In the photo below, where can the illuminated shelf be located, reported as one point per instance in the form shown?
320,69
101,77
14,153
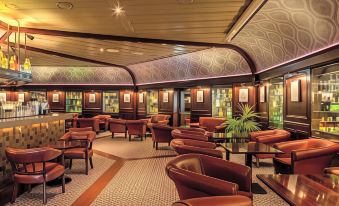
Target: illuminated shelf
7,76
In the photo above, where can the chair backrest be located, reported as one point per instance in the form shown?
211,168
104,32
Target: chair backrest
21,158
189,162
86,138
117,125
178,134
162,132
159,117
211,122
318,143
102,117
80,129
136,127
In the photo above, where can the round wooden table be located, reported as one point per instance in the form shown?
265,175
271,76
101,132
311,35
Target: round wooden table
62,145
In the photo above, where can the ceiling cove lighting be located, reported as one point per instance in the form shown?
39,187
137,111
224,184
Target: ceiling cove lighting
112,50
192,79
302,56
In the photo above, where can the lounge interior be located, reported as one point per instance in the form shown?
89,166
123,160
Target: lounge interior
172,102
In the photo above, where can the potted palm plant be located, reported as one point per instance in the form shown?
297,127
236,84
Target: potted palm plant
245,123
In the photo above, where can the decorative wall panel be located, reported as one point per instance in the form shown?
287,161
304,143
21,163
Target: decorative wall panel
286,29
81,75
208,63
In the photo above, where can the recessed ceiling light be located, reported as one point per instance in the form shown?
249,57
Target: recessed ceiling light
185,1
164,44
112,50
101,49
64,5
118,10
138,53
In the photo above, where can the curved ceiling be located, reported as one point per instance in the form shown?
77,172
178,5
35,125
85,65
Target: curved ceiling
80,76
209,63
287,29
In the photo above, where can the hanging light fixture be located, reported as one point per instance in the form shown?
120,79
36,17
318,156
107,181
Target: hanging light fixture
27,63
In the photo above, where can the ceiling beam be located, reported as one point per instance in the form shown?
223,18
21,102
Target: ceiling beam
5,36
244,18
68,56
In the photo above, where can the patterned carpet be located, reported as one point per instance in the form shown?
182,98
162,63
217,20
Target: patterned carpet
143,181
80,182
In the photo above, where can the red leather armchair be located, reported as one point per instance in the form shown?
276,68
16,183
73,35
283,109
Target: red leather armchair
269,137
117,126
85,151
234,200
186,134
188,146
211,124
137,128
89,122
197,175
161,134
332,170
103,120
307,156
32,166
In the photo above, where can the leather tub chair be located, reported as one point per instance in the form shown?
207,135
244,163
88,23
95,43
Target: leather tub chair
269,137
332,170
307,156
103,120
234,200
197,175
182,134
136,128
85,151
188,146
117,126
89,122
33,166
211,124
161,134
157,119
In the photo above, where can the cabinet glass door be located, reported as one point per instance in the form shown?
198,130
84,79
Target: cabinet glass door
111,102
222,102
276,101
74,101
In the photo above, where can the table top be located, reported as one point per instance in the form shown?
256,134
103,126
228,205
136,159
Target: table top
61,145
305,190
249,148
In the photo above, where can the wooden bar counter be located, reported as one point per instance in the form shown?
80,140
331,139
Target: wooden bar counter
29,132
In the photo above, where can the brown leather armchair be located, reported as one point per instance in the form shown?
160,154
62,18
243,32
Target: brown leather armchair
137,128
89,122
32,166
85,151
307,156
234,200
117,126
211,124
157,119
161,134
103,120
188,146
332,170
269,137
185,134
197,175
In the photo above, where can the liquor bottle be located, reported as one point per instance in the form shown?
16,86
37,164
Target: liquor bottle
27,66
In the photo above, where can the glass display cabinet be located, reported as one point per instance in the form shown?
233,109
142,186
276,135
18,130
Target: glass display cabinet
276,101
74,101
152,102
40,96
111,102
325,101
185,106
222,102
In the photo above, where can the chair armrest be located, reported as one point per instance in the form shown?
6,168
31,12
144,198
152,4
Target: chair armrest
289,146
270,139
202,183
184,149
313,153
66,137
194,124
220,128
51,154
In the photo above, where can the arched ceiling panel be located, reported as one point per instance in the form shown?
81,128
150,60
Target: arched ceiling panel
43,75
287,29
209,63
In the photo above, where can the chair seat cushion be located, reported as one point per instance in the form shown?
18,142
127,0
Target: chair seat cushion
53,171
77,153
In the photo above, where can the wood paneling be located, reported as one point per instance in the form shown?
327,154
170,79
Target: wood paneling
141,113
15,95
262,107
169,107
93,106
201,109
252,96
56,106
297,114
127,110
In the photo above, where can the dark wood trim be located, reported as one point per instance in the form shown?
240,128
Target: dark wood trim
5,36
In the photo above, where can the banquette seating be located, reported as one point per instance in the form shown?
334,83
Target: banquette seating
33,166
233,200
211,124
307,156
197,175
86,137
269,137
187,146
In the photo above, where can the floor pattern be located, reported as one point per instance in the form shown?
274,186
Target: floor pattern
80,182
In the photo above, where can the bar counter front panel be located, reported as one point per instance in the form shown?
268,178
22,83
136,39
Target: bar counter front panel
29,132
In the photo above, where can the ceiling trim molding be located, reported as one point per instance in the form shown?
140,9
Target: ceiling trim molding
79,59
